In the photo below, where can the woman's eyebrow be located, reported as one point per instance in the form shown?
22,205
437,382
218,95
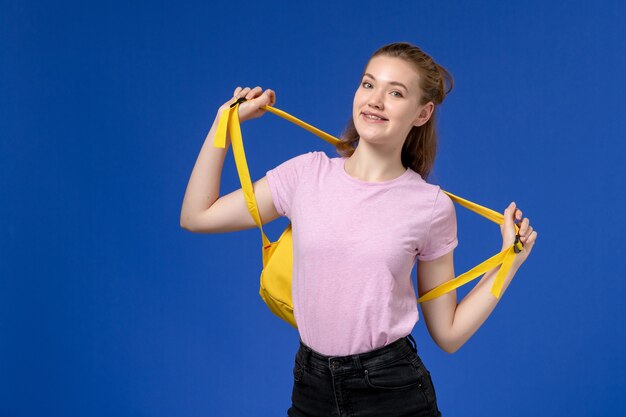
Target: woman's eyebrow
390,82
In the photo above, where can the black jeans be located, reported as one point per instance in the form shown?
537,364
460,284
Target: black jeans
388,382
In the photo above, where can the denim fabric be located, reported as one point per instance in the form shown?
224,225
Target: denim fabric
388,382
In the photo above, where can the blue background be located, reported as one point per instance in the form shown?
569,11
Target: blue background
108,307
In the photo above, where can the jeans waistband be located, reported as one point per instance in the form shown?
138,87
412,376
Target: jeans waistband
369,360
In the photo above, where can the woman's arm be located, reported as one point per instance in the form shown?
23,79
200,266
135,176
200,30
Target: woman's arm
451,325
203,188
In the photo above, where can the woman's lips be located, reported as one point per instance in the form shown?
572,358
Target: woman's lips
368,120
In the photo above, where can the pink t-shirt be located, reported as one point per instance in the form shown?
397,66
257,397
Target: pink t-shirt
354,246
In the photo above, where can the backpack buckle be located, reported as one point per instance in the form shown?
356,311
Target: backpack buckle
518,245
239,100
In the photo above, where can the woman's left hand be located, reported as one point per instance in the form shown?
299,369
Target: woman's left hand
528,236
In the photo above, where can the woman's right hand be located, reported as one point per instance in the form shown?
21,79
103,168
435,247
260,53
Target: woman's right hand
256,98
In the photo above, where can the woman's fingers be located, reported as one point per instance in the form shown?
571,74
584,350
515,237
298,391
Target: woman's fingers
241,92
256,91
525,229
251,93
272,96
523,225
256,99
526,234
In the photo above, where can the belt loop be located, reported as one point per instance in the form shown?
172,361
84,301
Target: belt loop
414,344
307,358
357,362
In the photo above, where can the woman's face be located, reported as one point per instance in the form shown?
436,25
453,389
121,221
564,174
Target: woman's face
390,89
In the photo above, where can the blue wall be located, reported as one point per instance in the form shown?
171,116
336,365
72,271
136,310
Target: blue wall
109,308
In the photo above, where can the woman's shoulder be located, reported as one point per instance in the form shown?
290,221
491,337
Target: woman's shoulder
299,164
312,156
316,158
426,194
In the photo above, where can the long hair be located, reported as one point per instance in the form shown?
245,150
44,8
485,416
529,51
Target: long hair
420,146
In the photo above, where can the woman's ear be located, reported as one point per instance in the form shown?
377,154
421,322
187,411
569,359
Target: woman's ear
424,114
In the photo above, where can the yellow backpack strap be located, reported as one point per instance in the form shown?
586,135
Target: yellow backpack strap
504,258
229,122
328,138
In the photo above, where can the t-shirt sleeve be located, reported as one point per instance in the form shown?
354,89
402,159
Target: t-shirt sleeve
442,233
283,181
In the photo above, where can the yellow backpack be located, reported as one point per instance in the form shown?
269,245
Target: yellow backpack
275,289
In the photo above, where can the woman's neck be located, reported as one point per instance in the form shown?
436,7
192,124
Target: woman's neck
368,164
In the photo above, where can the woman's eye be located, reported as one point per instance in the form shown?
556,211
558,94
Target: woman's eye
366,84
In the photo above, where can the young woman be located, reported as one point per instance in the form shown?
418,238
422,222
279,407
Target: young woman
360,221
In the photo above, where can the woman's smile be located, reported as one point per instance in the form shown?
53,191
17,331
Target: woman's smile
372,119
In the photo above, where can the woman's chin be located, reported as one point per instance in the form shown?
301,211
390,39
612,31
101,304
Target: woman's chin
374,142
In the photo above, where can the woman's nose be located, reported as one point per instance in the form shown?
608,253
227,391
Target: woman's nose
375,100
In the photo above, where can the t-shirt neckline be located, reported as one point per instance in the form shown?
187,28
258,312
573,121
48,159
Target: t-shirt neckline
344,174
